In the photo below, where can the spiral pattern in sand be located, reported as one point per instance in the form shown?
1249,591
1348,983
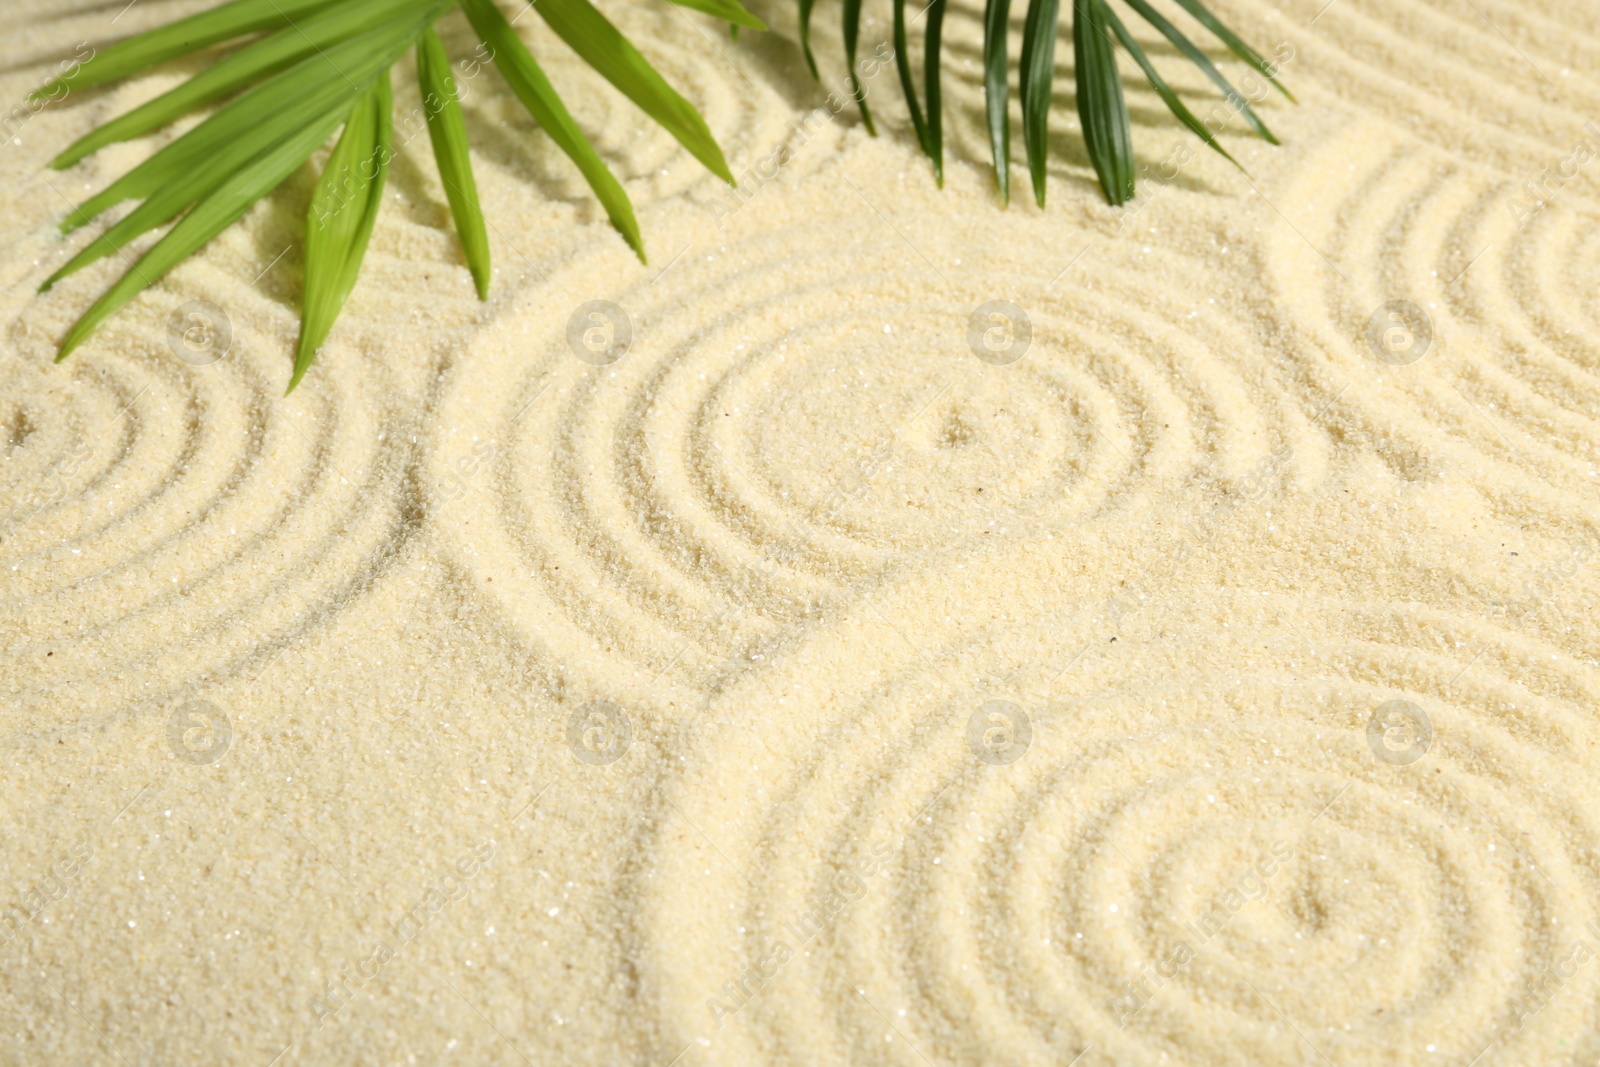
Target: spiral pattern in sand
758,452
1170,859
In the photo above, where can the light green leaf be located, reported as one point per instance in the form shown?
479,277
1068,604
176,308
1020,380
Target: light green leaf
590,35
250,64
340,218
528,82
179,38
448,132
730,11
1037,68
1101,108
210,217
328,79
1176,106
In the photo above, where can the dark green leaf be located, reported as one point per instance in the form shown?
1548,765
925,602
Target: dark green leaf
1176,106
1101,108
852,30
448,132
1235,44
1199,59
996,91
902,63
805,36
1037,67
340,218
616,59
930,76
530,85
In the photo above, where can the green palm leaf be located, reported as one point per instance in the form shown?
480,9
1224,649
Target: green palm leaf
728,11
199,162
448,132
1101,108
231,20
1168,97
852,31
244,67
302,68
330,78
1038,66
210,217
340,219
607,51
530,85
1235,44
996,91
902,63
930,77
1199,59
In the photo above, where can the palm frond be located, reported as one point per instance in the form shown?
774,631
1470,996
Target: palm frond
1038,68
805,36
342,212
522,72
930,77
852,32
137,54
607,51
1168,97
298,71
1199,59
447,130
728,11
1102,109
902,64
996,91
1235,45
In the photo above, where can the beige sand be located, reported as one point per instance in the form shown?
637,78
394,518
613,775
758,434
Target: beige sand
801,688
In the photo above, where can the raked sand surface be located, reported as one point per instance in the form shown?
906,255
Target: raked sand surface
1213,678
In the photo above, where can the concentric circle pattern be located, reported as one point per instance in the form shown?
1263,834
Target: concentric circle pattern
1498,84
889,627
795,418
1202,854
1503,281
154,508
